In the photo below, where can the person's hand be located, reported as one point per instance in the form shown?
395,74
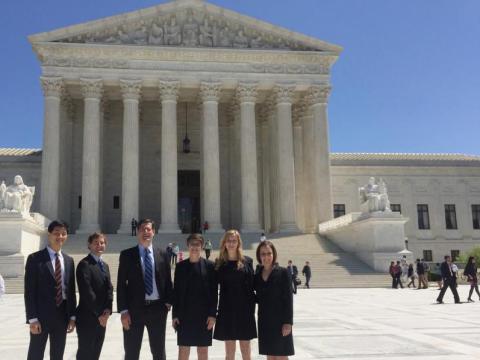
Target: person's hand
126,320
102,319
175,323
36,328
70,326
286,329
210,322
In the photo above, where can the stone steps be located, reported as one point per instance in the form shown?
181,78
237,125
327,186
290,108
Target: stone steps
331,267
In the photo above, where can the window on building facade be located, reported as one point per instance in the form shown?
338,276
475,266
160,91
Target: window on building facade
116,202
427,255
79,201
338,210
476,216
396,208
455,254
450,217
423,217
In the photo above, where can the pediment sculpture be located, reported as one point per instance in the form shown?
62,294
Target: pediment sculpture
374,197
17,197
190,28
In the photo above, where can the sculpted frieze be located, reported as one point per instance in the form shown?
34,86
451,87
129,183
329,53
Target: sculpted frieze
189,28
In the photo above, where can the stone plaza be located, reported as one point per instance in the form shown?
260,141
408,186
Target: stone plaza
343,324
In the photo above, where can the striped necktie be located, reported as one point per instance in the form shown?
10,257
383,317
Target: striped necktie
147,262
58,281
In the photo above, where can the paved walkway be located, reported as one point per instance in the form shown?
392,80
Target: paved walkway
329,324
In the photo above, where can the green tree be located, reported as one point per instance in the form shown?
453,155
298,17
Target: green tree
463,258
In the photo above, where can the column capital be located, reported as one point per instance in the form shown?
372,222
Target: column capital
52,85
318,94
91,88
210,91
247,92
131,89
169,90
284,93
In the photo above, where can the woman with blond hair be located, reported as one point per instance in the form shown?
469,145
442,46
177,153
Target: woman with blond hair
236,309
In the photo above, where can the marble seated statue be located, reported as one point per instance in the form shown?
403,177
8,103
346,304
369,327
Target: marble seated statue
17,197
374,197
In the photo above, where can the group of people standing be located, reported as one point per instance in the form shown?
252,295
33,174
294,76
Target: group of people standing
402,272
146,293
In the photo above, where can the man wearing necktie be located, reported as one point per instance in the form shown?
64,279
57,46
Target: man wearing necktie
449,280
96,296
50,299
144,291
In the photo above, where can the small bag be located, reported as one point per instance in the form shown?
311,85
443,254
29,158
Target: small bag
297,281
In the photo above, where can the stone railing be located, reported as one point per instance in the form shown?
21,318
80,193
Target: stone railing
338,222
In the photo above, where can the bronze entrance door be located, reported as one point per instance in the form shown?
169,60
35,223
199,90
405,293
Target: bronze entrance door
189,201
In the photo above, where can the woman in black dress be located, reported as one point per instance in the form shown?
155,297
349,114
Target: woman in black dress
195,299
471,273
236,309
273,286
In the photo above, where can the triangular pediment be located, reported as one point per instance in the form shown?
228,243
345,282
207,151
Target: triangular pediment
186,23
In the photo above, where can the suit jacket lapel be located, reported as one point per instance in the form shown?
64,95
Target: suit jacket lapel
66,264
47,260
137,261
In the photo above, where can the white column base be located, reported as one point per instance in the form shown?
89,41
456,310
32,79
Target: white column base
87,228
169,229
215,229
288,228
125,229
251,229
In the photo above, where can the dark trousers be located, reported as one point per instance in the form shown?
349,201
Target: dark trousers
294,284
394,281
90,338
154,317
452,284
56,329
398,280
307,282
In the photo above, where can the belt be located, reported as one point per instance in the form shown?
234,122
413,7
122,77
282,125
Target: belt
152,302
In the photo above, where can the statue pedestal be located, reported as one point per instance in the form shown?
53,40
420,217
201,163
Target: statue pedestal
21,235
375,238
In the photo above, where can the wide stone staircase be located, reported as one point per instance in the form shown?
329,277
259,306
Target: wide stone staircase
331,266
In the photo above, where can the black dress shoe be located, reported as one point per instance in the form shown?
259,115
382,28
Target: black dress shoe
458,302
439,301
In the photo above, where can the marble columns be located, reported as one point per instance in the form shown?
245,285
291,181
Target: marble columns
286,176
92,92
247,94
49,200
209,92
131,90
318,96
169,191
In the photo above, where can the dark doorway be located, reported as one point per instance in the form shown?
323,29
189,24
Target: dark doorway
189,201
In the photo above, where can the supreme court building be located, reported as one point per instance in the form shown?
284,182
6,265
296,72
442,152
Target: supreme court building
123,93
187,112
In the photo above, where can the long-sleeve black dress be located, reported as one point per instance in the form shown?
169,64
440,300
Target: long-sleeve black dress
275,308
236,308
195,297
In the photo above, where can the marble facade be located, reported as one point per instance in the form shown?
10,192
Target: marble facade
114,91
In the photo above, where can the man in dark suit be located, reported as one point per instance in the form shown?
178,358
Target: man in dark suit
144,292
292,269
50,295
307,272
96,296
449,280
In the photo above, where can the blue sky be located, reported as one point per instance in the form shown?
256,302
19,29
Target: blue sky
408,79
